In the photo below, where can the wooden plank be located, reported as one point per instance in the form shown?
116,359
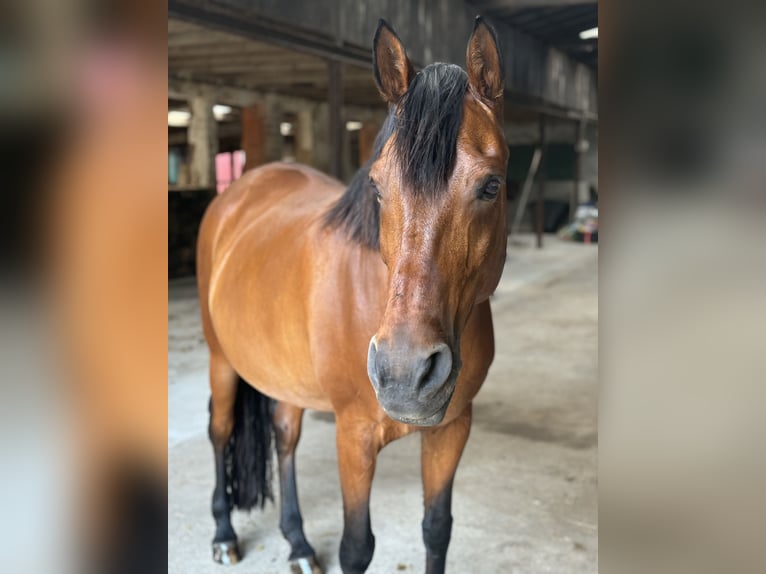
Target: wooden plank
219,63
201,36
176,26
227,47
284,73
523,4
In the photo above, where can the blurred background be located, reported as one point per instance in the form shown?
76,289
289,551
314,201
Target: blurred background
94,220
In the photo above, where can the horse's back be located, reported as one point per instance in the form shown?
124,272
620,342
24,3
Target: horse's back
288,192
254,265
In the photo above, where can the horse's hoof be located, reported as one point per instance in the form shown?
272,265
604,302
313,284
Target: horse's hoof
226,552
305,566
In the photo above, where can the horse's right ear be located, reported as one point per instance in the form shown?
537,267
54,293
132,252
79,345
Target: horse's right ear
484,65
393,70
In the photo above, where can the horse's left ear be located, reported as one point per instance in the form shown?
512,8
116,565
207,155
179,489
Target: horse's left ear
484,65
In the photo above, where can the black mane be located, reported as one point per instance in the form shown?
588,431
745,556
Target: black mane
424,126
357,209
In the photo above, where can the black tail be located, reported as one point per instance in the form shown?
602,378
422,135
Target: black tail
249,454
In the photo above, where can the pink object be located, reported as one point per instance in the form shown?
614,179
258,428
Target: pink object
228,167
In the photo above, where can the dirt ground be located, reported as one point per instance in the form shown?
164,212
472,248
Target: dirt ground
525,498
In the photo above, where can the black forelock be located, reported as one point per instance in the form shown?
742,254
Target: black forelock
424,127
427,125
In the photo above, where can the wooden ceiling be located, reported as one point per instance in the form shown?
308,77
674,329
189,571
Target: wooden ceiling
221,58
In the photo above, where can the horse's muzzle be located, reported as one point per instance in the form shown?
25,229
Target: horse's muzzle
413,385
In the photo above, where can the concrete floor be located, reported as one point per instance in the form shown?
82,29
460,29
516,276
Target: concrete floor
525,496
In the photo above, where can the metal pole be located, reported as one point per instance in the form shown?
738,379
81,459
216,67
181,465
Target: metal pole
539,214
335,101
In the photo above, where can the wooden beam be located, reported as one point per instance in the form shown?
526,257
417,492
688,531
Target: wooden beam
199,36
491,5
309,42
289,99
223,64
179,26
563,25
214,49
186,90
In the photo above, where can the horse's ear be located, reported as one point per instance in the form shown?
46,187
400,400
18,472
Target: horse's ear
393,70
484,65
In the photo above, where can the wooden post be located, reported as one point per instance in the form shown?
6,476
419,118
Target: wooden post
261,139
335,101
253,136
539,213
320,152
304,136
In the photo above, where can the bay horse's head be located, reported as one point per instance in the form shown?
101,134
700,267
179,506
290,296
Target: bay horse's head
440,183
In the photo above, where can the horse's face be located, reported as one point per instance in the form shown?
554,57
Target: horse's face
442,222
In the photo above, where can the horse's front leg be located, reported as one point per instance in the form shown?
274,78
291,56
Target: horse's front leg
441,451
357,451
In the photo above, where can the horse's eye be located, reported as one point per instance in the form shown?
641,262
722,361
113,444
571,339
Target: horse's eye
375,189
490,189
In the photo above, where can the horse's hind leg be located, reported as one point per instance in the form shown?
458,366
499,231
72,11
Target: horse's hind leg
287,427
223,387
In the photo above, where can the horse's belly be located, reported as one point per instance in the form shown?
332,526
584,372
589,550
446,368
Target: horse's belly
283,372
260,322
298,392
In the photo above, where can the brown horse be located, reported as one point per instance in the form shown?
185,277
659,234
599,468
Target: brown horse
371,303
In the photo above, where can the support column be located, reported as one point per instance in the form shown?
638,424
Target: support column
539,208
203,141
320,153
335,101
253,136
261,139
304,136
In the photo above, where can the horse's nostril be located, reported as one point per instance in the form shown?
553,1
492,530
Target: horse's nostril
435,369
428,368
405,371
372,367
